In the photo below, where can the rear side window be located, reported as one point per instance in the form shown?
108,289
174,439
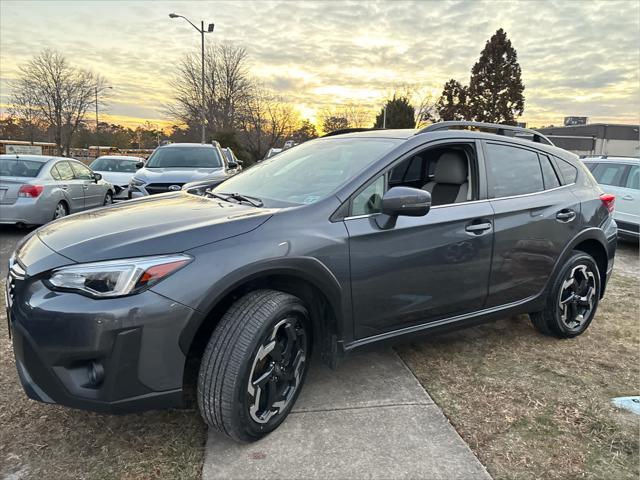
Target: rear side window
512,171
54,173
64,169
609,173
569,172
633,179
548,173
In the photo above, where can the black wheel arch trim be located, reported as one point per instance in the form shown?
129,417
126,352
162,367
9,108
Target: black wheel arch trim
308,269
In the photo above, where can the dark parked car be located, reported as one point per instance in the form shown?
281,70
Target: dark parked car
337,244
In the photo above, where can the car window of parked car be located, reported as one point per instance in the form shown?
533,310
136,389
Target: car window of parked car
548,173
609,173
369,200
107,164
308,172
568,172
81,172
633,178
16,167
64,169
185,157
512,171
54,173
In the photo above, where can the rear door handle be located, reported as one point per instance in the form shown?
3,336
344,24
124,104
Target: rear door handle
566,215
64,187
478,228
627,197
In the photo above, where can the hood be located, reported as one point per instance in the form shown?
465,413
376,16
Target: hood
161,224
116,178
177,175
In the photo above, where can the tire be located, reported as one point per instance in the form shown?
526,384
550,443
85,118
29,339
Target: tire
108,199
572,300
61,211
241,349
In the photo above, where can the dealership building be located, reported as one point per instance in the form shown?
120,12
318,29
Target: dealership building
596,139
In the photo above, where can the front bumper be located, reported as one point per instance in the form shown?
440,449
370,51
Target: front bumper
116,355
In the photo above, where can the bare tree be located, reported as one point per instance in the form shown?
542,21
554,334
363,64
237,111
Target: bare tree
425,108
51,89
227,88
25,110
265,121
349,115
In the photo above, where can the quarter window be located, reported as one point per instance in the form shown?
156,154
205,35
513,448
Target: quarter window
512,171
609,173
567,171
369,200
54,173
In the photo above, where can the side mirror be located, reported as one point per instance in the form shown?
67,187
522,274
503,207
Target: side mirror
97,177
233,165
139,165
403,201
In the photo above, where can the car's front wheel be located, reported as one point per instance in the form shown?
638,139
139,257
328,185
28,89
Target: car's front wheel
255,364
572,299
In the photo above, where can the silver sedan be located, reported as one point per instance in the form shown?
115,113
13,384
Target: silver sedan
37,189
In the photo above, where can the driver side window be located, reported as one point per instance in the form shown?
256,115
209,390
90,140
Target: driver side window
369,200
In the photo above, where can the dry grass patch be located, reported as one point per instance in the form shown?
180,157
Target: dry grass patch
532,406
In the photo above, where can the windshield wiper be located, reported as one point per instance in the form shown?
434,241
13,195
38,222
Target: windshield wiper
255,201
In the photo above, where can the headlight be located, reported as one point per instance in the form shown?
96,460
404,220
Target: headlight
116,278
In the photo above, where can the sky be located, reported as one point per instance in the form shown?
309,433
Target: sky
578,58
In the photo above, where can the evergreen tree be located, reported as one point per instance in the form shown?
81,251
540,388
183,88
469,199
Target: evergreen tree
496,89
331,124
453,104
400,114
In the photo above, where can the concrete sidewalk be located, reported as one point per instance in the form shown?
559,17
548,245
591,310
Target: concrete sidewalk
368,419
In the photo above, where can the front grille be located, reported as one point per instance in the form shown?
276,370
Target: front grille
16,273
154,188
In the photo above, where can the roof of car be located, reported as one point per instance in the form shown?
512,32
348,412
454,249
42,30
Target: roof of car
34,158
181,145
122,157
607,158
403,133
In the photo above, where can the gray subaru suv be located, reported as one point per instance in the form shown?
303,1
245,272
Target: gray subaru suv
350,240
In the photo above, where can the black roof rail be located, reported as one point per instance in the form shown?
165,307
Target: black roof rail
342,131
499,129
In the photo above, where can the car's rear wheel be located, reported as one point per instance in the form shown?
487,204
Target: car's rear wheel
108,199
572,299
60,211
255,364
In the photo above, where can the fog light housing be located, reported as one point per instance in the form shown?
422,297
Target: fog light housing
96,373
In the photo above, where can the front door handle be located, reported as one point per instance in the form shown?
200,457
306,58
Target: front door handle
566,215
478,228
627,197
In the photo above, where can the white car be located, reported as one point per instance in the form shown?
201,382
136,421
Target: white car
620,176
117,170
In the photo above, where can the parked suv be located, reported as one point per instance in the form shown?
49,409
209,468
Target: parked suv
171,166
334,245
620,176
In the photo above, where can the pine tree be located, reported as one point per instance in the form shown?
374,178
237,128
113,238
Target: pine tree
496,89
400,114
453,104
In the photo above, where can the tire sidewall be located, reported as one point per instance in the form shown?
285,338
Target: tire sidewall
575,260
241,416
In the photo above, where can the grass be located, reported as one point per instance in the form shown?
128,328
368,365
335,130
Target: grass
47,441
532,406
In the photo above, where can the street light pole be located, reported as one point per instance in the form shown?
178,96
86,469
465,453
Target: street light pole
202,31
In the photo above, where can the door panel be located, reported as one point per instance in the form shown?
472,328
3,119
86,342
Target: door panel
74,188
93,192
530,233
423,269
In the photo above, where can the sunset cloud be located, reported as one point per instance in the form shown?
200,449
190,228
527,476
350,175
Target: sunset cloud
577,58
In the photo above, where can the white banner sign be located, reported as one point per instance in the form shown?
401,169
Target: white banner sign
24,149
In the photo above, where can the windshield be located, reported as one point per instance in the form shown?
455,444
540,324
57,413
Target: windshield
110,164
309,172
181,157
15,167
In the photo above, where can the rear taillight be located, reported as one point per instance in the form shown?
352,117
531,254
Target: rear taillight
30,191
608,201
